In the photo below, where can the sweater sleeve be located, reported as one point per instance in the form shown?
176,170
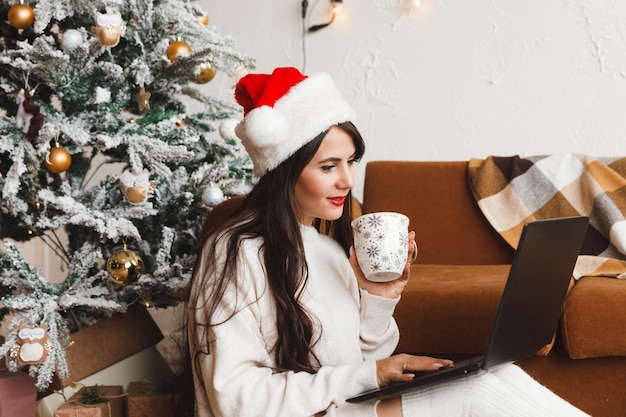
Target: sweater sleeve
379,330
239,375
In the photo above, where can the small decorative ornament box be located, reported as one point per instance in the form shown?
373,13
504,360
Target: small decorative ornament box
113,406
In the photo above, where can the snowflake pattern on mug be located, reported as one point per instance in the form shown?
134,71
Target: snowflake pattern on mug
381,244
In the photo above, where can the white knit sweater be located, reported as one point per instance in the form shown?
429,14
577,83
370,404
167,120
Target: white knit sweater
358,328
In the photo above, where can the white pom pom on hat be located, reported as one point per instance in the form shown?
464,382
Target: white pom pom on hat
285,110
267,126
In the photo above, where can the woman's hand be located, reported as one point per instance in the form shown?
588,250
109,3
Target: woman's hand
398,368
391,289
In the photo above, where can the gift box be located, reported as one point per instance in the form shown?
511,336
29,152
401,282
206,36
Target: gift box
146,399
112,408
107,342
18,395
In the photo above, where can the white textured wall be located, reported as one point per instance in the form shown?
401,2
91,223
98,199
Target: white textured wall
454,79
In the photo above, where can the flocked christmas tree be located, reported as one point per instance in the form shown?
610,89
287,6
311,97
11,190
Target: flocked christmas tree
98,149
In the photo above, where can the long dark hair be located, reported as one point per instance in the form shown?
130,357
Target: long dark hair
269,212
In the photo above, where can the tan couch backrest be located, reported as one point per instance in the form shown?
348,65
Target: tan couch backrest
450,227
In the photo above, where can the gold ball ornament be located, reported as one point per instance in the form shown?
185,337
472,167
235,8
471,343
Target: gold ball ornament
207,73
21,16
176,48
204,19
125,267
58,160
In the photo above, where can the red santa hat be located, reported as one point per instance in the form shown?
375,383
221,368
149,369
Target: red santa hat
285,110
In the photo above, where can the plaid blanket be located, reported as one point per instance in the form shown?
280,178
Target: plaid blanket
511,191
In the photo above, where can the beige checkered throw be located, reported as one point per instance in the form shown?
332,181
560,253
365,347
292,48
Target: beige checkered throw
511,191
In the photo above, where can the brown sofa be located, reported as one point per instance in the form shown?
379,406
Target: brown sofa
450,303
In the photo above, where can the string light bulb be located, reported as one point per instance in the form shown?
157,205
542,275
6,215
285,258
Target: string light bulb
416,3
337,6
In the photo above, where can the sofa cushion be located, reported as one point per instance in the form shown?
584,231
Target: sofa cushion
593,318
449,308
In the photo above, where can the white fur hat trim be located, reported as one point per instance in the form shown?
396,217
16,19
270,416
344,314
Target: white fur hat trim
271,135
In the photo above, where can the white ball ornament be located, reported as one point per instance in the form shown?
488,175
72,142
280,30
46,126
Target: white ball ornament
212,196
71,39
227,129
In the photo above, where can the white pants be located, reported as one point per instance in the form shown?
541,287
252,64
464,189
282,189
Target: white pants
507,391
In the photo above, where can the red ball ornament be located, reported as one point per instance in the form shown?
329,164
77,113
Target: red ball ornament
58,160
21,16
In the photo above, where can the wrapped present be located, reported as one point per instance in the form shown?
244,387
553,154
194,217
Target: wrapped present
146,399
18,395
112,407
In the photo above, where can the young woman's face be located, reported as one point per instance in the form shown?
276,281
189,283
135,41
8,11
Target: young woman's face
325,182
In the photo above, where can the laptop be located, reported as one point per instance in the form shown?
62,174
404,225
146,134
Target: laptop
530,307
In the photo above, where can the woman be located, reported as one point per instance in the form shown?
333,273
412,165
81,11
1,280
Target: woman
281,321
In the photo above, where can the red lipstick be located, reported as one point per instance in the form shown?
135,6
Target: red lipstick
337,201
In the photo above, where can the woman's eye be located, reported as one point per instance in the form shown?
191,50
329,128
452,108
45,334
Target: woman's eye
327,167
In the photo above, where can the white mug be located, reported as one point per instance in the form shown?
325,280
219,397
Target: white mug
381,244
